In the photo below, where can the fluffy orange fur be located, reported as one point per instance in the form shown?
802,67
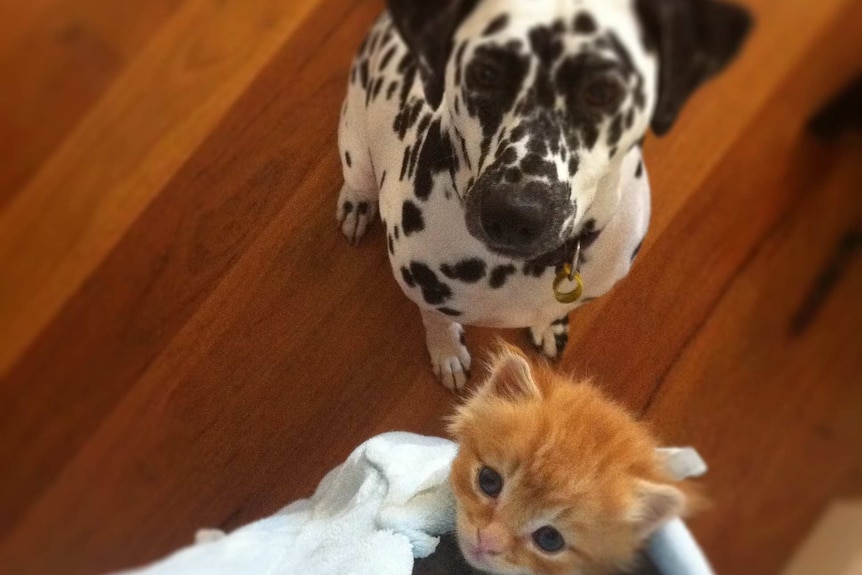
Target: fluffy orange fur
569,459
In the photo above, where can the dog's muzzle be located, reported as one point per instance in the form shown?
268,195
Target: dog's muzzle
518,220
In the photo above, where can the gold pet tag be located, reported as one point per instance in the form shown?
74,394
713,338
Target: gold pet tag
568,273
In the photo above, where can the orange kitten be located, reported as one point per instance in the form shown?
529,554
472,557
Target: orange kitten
553,478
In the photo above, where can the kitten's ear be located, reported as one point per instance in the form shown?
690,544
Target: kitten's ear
695,40
428,28
511,377
655,504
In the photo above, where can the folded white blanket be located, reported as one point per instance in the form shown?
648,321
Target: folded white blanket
373,514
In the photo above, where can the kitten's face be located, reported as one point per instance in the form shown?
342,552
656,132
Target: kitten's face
552,478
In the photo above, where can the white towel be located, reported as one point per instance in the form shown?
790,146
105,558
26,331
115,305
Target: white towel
372,515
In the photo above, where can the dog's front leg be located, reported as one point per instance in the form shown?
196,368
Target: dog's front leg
550,340
450,359
357,202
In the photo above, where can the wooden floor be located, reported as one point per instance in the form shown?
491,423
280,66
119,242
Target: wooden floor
186,340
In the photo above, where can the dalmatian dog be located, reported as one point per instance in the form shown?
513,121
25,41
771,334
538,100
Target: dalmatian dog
499,140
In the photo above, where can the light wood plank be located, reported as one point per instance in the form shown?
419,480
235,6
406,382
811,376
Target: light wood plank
64,56
70,216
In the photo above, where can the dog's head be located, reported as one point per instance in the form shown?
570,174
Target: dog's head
546,96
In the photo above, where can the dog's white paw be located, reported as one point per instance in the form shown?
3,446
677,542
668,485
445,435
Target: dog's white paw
450,358
551,340
354,213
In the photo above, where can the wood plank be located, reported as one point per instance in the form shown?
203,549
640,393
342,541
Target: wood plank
124,151
176,253
18,18
52,75
631,338
770,390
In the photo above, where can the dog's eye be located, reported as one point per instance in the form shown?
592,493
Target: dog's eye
484,76
490,482
604,92
548,539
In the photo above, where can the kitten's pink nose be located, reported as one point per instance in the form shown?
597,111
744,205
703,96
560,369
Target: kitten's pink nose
491,540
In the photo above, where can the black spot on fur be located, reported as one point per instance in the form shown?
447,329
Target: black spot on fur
362,208
584,23
573,165
347,159
387,56
434,291
496,25
449,311
348,207
390,91
639,171
509,156
537,166
546,44
424,123
408,277
616,130
363,73
468,271
391,244
383,179
500,274
404,163
407,116
436,156
518,133
561,321
537,146
411,218
535,270
378,84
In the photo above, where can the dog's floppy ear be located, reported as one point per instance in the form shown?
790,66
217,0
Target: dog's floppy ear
427,27
695,40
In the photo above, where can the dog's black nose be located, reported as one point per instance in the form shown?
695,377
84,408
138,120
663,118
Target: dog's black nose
513,220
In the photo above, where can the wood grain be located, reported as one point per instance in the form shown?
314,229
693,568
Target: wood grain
117,160
187,341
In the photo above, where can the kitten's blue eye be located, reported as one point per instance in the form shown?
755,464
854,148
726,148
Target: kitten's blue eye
490,482
548,539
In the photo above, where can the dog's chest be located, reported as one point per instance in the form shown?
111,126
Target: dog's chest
440,266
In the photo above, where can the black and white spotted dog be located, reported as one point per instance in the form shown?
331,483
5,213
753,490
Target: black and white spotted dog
497,138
